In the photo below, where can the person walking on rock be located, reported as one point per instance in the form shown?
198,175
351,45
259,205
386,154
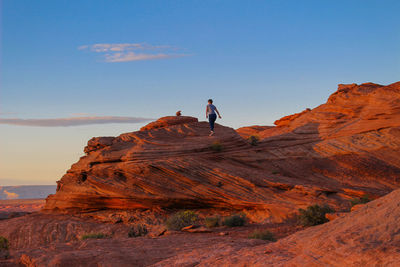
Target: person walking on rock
211,114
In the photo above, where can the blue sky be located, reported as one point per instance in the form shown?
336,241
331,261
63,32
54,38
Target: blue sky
259,61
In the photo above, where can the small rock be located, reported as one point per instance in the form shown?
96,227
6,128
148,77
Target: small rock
201,229
178,113
162,232
332,216
223,233
357,207
188,227
116,219
268,251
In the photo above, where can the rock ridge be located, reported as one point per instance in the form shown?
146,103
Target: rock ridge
345,148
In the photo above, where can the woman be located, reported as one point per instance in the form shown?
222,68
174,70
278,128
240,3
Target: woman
211,114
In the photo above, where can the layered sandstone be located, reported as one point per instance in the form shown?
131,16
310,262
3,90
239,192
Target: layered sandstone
366,237
369,236
345,148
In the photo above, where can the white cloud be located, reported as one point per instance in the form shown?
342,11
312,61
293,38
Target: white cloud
72,121
131,56
123,52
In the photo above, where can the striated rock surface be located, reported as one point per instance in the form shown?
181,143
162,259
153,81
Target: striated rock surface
168,121
348,147
367,237
248,131
345,148
127,252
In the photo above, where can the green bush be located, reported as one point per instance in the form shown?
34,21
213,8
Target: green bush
138,230
314,215
212,221
253,140
360,200
4,245
181,219
263,235
94,236
216,146
235,220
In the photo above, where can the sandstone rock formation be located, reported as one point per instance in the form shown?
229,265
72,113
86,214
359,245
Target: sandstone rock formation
345,148
348,147
168,121
369,236
254,130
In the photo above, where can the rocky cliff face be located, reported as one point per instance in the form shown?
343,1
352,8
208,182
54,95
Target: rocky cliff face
345,148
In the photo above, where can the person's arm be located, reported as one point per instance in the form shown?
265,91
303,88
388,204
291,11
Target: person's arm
206,112
219,116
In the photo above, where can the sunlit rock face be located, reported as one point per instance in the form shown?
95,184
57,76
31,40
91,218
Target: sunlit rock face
367,237
345,148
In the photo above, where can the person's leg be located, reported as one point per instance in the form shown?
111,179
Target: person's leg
211,119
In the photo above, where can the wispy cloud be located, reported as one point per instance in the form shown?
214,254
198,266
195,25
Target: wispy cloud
124,52
72,121
2,113
131,56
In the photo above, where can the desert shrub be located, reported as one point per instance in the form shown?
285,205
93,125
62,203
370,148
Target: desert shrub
138,230
360,200
212,221
235,220
216,146
314,215
275,172
181,219
253,140
94,236
263,235
3,243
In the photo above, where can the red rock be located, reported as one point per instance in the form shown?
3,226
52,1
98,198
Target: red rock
246,132
335,215
188,227
370,237
200,229
162,232
168,121
357,207
129,251
348,146
97,143
287,119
